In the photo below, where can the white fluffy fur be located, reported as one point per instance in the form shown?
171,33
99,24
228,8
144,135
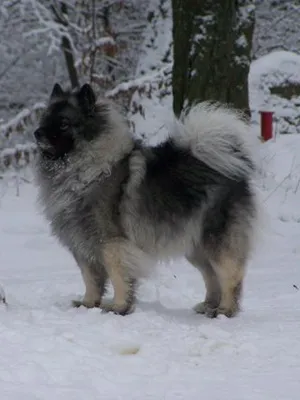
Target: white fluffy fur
209,130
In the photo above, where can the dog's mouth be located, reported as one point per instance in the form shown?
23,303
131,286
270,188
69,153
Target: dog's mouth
48,151
42,141
45,146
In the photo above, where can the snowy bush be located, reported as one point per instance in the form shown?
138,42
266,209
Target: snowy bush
277,72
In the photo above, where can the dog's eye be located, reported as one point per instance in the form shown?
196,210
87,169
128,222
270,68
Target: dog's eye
64,125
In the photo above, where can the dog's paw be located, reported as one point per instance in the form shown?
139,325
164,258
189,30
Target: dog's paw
207,309
212,312
120,309
84,303
230,312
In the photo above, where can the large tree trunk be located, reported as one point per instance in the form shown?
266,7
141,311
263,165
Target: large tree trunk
212,47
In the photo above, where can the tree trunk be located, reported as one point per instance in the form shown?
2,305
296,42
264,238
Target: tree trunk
70,63
212,47
66,44
68,53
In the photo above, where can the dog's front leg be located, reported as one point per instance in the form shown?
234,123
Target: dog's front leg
120,264
95,278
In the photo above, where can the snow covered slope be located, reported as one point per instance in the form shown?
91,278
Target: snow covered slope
163,351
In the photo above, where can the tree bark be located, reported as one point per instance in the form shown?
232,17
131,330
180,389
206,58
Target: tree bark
212,51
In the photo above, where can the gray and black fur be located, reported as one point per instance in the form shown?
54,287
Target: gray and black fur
120,206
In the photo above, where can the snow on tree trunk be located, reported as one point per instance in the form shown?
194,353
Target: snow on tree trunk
212,48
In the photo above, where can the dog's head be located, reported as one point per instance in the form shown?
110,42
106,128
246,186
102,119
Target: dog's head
70,119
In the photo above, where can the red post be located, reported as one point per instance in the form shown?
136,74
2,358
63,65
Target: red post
266,125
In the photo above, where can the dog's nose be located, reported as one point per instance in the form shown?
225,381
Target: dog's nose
39,133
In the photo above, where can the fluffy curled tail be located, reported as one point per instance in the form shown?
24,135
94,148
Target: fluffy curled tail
219,136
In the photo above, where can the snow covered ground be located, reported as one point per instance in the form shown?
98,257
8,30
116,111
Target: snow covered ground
163,351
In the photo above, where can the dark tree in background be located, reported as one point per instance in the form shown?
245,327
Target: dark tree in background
212,51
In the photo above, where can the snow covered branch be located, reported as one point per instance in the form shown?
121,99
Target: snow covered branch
142,85
21,120
19,156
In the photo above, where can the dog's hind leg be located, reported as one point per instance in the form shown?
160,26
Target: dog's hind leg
227,239
95,278
228,253
210,305
231,274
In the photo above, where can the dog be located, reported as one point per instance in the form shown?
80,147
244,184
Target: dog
120,206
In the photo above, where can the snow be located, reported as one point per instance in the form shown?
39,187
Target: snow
246,11
105,40
157,37
242,41
162,351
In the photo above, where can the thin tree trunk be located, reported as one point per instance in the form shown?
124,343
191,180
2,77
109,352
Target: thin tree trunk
66,45
68,53
70,63
212,47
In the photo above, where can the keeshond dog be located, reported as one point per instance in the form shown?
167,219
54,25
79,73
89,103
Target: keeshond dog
120,206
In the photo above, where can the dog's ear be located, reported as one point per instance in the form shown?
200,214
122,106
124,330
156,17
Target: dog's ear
87,98
56,92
